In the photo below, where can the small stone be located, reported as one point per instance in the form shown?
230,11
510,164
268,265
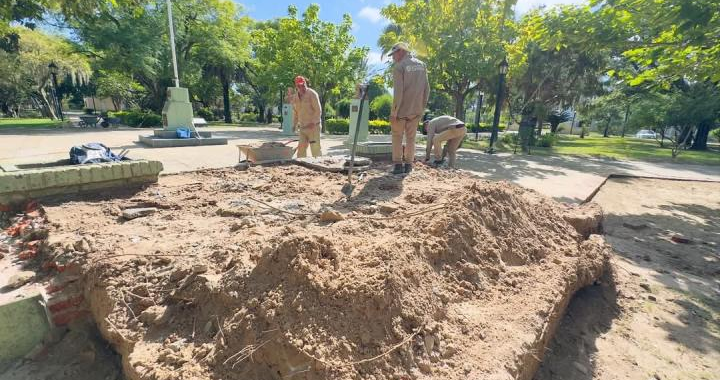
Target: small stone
652,298
646,258
580,368
680,239
331,216
387,208
152,315
425,366
20,279
429,343
200,268
133,213
645,286
82,245
635,226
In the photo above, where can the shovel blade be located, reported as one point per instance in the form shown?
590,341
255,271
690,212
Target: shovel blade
347,189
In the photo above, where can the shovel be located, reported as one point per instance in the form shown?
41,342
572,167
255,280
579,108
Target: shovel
348,188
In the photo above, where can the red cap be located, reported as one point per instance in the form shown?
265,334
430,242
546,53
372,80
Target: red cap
300,80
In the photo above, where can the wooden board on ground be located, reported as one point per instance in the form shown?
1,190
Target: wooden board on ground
335,164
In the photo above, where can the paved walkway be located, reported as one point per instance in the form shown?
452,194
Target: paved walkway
569,179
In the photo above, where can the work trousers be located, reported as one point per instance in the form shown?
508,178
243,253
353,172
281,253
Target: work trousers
309,136
454,137
406,127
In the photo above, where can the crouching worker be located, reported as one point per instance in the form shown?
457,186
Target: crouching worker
444,129
306,116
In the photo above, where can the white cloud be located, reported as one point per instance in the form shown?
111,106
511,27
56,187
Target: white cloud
375,58
371,14
525,5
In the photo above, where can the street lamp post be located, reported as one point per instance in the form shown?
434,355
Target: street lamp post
478,107
498,105
58,105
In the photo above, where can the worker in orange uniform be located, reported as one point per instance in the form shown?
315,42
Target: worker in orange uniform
307,118
411,92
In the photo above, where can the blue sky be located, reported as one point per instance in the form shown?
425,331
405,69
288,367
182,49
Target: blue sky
367,20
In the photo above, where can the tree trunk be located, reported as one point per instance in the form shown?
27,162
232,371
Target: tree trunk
606,132
459,105
554,127
46,109
261,113
701,137
269,116
540,122
685,136
226,99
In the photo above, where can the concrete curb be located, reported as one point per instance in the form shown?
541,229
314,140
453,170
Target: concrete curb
17,186
615,176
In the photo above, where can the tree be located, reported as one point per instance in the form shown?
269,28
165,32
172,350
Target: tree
666,42
228,50
321,51
382,106
554,63
557,117
27,76
461,41
119,87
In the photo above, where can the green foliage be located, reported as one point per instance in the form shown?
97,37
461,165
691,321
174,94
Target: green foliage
205,113
337,126
382,106
249,117
321,51
119,87
379,127
460,41
25,76
716,134
138,118
376,87
509,139
343,108
547,140
483,127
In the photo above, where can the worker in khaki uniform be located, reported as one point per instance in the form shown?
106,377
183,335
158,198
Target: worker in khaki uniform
411,93
444,129
307,118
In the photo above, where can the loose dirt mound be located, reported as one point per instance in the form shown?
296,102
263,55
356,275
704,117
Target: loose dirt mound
437,276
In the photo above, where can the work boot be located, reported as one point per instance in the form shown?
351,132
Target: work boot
398,169
438,162
408,168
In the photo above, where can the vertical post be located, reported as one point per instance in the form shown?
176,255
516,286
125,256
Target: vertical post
627,113
498,106
478,107
58,101
572,123
172,43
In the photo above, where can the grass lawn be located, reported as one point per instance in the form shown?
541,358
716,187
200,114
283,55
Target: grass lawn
612,147
28,123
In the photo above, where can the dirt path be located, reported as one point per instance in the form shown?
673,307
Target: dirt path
657,315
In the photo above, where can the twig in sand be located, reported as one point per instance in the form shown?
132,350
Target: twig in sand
349,364
315,214
122,298
141,255
245,353
220,330
117,330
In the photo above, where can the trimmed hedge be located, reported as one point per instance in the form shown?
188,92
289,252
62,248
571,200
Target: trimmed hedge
337,126
138,118
483,128
379,127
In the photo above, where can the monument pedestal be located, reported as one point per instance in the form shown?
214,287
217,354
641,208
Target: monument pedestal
177,113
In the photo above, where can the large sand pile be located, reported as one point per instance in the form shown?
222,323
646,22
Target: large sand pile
438,276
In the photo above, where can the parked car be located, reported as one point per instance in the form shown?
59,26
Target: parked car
645,134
